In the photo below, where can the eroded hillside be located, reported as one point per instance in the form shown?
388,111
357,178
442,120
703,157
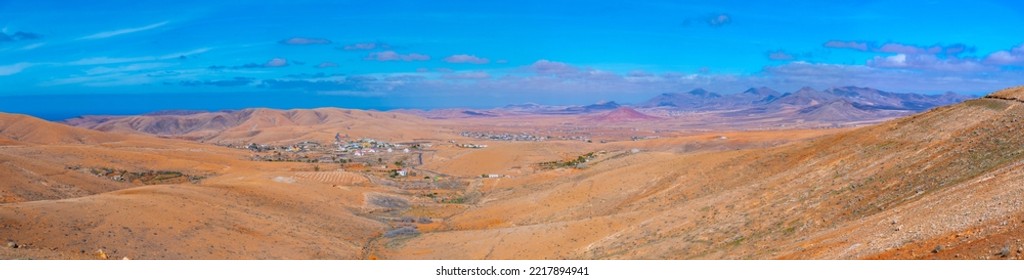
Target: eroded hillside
941,184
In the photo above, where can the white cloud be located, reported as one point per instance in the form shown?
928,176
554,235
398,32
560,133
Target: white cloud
365,46
119,32
126,68
11,69
1014,56
305,41
394,56
276,62
32,46
114,60
894,61
466,58
473,75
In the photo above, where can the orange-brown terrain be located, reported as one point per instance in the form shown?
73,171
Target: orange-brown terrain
625,184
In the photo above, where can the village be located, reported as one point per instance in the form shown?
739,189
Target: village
383,163
395,164
360,153
522,136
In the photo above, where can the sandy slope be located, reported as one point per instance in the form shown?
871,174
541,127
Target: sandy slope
238,211
898,189
266,125
909,183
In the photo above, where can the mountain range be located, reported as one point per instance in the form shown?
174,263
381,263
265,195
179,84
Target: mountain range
759,107
859,98
834,105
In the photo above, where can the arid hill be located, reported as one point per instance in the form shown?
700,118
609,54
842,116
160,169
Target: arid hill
44,160
27,129
262,125
622,114
940,184
72,193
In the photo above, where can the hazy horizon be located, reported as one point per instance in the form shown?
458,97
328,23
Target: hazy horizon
60,59
136,104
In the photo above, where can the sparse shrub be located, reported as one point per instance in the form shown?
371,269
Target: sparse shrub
402,231
1005,251
389,202
457,200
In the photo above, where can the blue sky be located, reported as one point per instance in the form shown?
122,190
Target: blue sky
61,58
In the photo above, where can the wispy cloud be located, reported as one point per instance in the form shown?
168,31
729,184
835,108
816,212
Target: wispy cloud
103,80
119,32
928,62
1014,56
276,62
712,20
547,67
366,46
317,75
354,83
932,58
780,55
784,55
305,41
115,60
32,46
853,45
897,48
898,79
327,64
718,20
127,68
472,75
466,58
110,60
393,56
235,82
11,69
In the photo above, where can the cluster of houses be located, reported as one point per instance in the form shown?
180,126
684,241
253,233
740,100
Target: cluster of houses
304,146
341,151
577,137
367,146
522,136
503,136
638,138
471,146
